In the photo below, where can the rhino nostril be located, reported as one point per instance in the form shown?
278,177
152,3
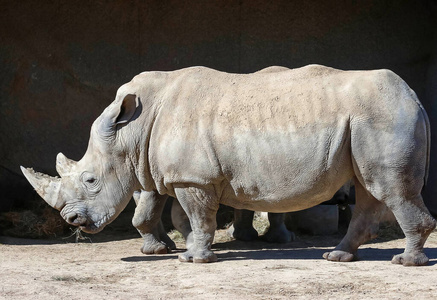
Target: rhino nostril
72,218
76,219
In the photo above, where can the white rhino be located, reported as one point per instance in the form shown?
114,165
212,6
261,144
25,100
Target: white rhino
276,142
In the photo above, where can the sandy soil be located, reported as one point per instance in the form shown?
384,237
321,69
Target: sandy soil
103,269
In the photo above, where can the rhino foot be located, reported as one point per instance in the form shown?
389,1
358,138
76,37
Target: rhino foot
205,256
410,259
339,255
168,242
279,235
243,234
155,248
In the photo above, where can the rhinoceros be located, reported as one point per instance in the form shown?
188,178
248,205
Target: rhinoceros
276,142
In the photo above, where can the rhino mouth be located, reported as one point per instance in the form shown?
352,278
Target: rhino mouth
84,219
85,223
93,227
90,228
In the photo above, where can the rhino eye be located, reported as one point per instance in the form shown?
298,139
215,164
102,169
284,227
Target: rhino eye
90,182
89,179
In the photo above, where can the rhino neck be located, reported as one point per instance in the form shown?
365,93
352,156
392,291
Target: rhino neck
142,171
150,87
137,143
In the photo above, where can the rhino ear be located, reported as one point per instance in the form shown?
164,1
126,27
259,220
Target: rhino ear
127,109
117,113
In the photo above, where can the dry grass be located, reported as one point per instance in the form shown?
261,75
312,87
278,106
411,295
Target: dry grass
176,236
260,223
77,233
33,224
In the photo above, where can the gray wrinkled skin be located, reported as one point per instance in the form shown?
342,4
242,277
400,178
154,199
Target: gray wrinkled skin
271,141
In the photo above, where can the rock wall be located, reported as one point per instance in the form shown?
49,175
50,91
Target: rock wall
62,61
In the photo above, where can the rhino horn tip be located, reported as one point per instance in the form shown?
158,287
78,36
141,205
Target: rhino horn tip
26,171
46,186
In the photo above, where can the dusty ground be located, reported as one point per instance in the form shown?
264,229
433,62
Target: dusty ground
62,269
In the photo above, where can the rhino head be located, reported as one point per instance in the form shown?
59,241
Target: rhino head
91,192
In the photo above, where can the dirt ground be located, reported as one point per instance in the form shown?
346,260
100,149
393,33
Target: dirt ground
115,269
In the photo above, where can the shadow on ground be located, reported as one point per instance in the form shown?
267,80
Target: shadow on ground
365,254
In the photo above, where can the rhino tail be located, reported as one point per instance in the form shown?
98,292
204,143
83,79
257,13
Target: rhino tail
428,141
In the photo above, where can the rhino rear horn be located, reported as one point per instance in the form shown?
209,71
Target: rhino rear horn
63,164
46,186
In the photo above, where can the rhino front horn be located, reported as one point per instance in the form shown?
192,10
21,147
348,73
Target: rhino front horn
46,186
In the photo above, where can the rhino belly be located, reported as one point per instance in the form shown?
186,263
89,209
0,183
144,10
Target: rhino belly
286,171
285,199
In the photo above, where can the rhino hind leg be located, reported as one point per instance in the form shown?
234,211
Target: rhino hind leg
181,222
417,224
242,229
363,226
163,236
278,232
201,205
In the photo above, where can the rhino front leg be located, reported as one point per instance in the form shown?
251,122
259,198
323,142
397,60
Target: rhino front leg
147,220
201,205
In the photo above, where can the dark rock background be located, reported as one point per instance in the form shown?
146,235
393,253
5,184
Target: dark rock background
62,61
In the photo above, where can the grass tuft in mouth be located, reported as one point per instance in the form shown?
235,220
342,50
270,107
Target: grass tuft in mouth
78,235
